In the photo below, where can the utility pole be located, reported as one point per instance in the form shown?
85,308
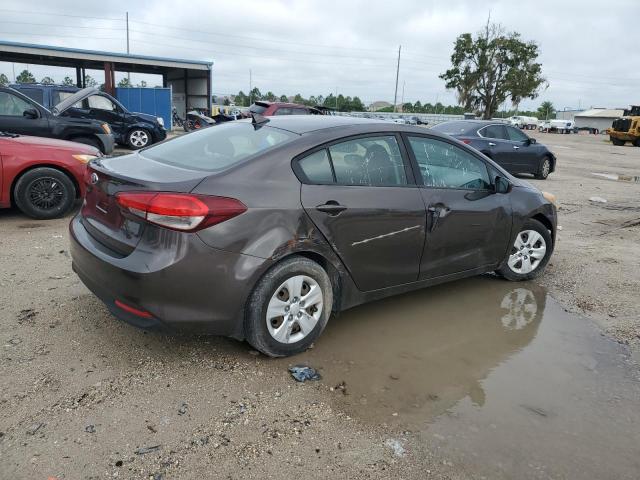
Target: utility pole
336,99
402,97
128,73
395,95
250,87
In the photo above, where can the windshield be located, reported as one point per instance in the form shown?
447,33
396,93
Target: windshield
452,128
219,147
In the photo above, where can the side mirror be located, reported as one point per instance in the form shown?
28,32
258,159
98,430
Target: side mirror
501,185
532,141
30,113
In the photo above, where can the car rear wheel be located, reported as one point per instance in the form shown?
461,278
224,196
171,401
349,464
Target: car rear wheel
529,253
544,169
44,193
138,138
288,308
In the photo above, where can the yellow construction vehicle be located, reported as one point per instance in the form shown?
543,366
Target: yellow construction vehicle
627,128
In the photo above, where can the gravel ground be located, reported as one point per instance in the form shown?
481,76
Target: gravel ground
85,396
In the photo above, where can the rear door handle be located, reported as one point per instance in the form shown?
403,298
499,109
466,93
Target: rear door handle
331,208
437,212
516,147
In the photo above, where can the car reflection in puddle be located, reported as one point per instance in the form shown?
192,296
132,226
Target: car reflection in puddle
493,374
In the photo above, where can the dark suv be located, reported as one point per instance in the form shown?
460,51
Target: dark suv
135,130
20,114
267,109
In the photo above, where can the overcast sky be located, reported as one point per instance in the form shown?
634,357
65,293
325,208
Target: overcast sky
313,47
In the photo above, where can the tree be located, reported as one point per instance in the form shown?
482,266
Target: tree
493,66
283,98
26,77
270,97
124,83
142,84
89,81
241,99
357,105
546,110
4,81
47,81
255,94
68,81
226,101
299,99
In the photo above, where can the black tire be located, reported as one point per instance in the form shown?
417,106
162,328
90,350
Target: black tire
636,142
543,169
255,324
44,193
94,142
617,142
506,272
138,138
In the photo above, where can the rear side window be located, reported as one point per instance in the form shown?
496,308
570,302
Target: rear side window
494,131
299,111
283,111
218,148
317,168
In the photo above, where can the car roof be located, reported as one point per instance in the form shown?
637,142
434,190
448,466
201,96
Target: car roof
302,124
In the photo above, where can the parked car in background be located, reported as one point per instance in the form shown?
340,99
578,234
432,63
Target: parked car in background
506,145
523,123
134,130
42,176
260,229
20,114
268,109
557,126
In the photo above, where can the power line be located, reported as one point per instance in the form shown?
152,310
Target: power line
61,26
49,14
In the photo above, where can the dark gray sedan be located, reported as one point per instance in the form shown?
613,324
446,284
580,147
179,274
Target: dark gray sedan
260,229
508,146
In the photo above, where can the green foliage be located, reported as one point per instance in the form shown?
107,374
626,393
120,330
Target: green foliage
546,111
142,84
89,81
283,98
68,81
47,81
4,81
491,68
124,83
26,77
241,100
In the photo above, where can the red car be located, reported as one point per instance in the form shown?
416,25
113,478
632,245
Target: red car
267,109
42,176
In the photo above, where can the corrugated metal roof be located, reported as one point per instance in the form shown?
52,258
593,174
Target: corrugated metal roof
601,112
97,55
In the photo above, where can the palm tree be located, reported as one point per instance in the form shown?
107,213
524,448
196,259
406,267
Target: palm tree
546,110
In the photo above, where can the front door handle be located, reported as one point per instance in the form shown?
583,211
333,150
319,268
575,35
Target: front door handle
491,144
331,208
437,212
516,147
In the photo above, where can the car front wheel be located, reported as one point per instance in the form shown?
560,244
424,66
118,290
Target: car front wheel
544,169
288,308
44,193
529,253
138,138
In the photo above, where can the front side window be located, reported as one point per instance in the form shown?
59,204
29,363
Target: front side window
216,149
444,165
13,106
516,135
101,103
372,161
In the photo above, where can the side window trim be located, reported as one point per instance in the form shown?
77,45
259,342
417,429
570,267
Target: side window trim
416,167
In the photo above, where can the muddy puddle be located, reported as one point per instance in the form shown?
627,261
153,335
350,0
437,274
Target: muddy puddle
495,376
618,177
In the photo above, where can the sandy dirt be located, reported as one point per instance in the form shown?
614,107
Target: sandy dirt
85,396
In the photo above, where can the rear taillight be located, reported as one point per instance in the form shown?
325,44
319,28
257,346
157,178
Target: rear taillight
180,211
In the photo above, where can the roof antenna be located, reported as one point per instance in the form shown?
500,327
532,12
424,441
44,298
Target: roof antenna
258,120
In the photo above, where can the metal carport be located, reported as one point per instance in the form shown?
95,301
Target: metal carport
190,80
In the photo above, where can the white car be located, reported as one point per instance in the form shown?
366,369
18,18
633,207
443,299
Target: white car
524,123
559,126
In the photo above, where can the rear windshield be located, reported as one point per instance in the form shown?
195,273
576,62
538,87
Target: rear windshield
452,128
218,147
259,109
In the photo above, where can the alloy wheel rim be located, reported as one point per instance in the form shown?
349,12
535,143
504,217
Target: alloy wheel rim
294,309
545,168
139,138
529,249
46,193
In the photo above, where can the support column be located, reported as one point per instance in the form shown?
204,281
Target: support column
78,77
109,79
84,78
186,91
209,103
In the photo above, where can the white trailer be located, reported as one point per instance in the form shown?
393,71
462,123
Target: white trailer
524,123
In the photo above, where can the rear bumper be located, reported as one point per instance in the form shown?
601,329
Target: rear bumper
107,140
182,283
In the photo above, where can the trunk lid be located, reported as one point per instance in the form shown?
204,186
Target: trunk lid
101,215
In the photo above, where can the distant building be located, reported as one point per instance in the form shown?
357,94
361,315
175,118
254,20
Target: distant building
600,118
375,106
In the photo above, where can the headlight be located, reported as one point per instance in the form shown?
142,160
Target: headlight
106,128
82,158
550,197
160,121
